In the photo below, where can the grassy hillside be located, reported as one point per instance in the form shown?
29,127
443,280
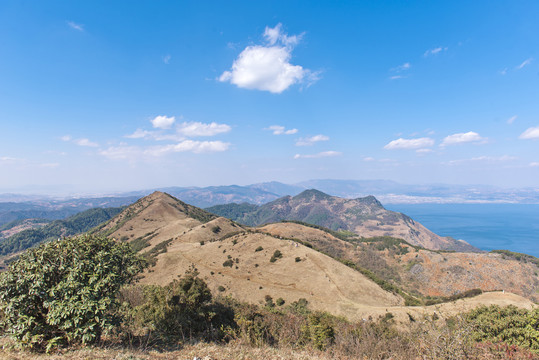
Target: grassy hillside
73,225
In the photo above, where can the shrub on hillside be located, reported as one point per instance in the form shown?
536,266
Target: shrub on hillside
276,255
66,291
511,325
182,309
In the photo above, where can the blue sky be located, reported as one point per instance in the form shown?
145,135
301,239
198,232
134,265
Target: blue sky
106,96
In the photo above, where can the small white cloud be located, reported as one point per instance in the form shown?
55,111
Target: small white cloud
140,134
85,142
487,159
193,129
530,133
163,122
461,138
74,25
524,63
435,51
423,151
134,153
166,59
403,67
368,158
281,130
267,67
511,119
534,164
8,160
319,155
396,77
503,71
409,143
311,140
80,142
275,35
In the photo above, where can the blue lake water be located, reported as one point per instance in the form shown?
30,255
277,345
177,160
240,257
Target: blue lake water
513,227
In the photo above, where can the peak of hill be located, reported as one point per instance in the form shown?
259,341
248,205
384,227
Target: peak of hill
157,213
364,216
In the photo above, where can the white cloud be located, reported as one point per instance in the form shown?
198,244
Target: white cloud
267,67
396,77
461,138
192,129
281,130
311,140
409,143
80,142
74,25
276,35
435,51
511,119
196,147
401,68
163,122
487,159
530,133
319,155
368,158
524,63
534,164
166,59
423,151
8,160
503,71
85,142
140,134
123,151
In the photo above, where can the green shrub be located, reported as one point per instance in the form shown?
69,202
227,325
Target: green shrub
276,255
260,248
298,259
181,310
319,330
269,301
279,302
228,263
221,288
66,291
508,324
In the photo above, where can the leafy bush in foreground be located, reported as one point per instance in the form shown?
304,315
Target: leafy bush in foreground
511,325
65,291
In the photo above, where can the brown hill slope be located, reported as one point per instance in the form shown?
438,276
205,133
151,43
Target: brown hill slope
363,216
428,272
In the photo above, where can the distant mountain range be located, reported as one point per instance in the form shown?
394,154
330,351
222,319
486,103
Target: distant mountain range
385,190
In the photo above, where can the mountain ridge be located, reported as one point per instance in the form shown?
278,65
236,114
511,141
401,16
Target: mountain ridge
364,216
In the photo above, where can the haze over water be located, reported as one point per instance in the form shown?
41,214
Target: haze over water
512,227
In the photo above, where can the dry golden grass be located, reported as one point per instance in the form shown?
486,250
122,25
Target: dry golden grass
204,351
